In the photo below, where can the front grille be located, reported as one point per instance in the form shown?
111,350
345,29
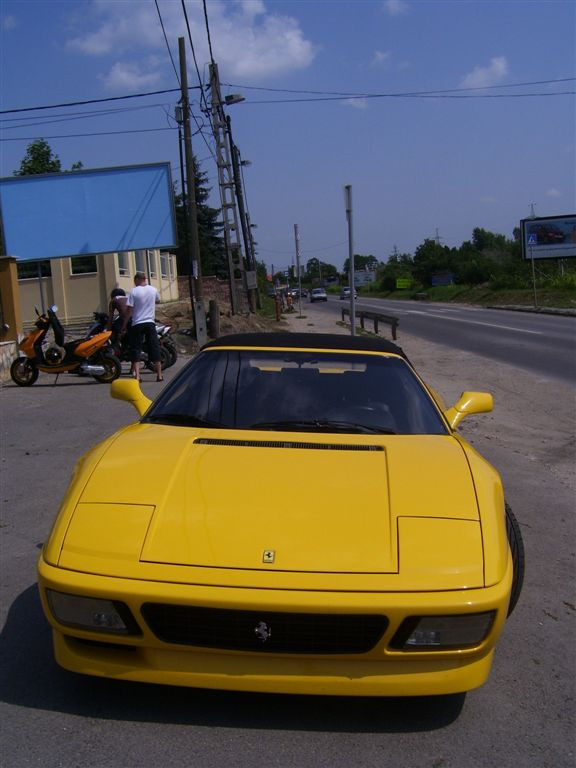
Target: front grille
264,631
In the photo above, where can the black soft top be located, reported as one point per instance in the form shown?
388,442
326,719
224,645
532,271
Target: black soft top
308,341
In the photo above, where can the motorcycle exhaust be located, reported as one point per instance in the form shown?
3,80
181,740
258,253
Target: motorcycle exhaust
93,370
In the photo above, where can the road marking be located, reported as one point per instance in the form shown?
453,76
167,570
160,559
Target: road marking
477,322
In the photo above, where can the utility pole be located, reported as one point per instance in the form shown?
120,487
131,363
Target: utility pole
352,279
227,188
192,241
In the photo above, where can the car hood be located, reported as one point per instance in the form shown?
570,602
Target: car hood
262,501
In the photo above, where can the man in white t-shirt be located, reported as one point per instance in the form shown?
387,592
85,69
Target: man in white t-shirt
141,305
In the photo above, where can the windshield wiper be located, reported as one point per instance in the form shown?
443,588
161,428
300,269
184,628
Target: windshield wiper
182,420
322,425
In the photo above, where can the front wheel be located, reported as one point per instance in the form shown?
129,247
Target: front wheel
23,372
518,560
112,368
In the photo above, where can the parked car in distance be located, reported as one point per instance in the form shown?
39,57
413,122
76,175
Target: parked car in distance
392,574
318,294
345,293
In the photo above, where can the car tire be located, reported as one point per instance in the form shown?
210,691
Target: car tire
516,544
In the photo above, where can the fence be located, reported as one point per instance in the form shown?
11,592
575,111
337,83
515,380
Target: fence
376,317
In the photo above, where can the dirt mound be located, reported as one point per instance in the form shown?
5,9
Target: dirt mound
178,314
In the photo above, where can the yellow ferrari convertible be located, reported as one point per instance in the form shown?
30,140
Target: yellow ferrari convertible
295,513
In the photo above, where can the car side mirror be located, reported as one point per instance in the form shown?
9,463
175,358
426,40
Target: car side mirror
129,390
469,402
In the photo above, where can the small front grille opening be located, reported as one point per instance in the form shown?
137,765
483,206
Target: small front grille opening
298,445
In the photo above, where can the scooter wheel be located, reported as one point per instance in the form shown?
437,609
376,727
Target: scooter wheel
112,369
164,360
170,347
23,372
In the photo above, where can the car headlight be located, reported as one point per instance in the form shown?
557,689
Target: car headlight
92,613
439,633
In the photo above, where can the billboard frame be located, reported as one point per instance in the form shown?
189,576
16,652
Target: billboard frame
541,237
87,212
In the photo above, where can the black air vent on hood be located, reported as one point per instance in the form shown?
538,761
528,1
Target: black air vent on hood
286,444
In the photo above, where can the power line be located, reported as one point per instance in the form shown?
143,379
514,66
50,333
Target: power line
202,97
404,96
167,43
351,94
83,135
208,31
92,101
70,117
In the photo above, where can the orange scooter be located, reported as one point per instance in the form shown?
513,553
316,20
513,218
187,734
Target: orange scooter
91,356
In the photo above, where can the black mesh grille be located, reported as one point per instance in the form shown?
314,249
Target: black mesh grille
264,631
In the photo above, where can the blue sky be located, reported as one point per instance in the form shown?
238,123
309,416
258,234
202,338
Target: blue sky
427,165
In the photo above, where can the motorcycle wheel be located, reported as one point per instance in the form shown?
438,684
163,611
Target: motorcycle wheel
23,372
113,368
164,360
170,347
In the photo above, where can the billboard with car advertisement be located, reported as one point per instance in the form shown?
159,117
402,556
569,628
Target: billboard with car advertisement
549,237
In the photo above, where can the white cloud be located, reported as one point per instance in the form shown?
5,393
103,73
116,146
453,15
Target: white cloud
395,7
482,77
248,41
357,103
128,76
9,23
380,57
553,192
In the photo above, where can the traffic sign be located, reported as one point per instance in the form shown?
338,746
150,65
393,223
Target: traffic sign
532,240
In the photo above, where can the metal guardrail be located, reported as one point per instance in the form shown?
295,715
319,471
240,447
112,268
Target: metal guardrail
376,318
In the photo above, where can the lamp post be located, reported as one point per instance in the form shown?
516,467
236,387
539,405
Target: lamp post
352,278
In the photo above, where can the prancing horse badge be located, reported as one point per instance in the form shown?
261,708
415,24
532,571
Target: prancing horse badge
268,556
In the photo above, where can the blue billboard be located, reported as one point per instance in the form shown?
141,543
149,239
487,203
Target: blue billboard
48,216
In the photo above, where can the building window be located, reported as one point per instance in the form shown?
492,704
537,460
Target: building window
151,259
141,261
83,265
29,269
165,265
123,264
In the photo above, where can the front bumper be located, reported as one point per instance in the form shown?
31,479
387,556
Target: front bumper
382,671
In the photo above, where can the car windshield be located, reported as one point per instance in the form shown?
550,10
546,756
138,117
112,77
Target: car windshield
300,390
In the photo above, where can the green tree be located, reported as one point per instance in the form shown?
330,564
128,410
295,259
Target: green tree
318,271
361,262
210,227
431,258
398,265
40,158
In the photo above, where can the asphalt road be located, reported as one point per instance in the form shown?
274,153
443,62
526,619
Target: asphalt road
544,344
523,716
